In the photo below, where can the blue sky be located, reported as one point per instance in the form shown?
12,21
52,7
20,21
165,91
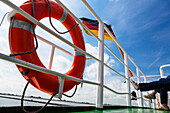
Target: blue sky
141,27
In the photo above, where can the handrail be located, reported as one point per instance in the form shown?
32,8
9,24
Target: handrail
166,65
58,36
52,44
84,1
63,76
26,15
68,11
161,70
35,21
108,31
41,69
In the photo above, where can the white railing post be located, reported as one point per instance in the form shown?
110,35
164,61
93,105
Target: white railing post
154,103
127,81
51,57
149,103
140,101
61,86
162,72
99,101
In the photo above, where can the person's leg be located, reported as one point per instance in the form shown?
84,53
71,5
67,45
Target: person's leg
164,99
163,96
152,95
163,82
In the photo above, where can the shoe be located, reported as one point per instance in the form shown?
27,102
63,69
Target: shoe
162,108
134,84
150,96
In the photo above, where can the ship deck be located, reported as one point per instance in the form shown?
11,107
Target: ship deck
82,109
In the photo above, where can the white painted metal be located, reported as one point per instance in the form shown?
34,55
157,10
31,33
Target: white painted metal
41,69
68,11
100,60
92,11
149,101
140,101
52,44
61,86
161,70
26,15
137,67
166,65
51,57
128,98
32,19
99,101
154,103
162,73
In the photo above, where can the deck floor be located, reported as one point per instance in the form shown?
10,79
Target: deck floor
83,109
57,106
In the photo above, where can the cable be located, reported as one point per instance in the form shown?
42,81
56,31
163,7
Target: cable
22,99
72,94
23,53
52,23
3,18
11,25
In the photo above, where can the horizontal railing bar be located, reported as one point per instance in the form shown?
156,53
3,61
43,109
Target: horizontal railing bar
13,97
166,65
114,54
115,71
44,70
46,28
137,67
32,19
92,11
108,31
52,44
61,38
119,59
41,69
68,11
113,90
151,76
96,16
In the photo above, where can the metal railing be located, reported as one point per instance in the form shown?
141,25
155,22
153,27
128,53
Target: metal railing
161,70
99,103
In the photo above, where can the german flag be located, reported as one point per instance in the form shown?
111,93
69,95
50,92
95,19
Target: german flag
93,26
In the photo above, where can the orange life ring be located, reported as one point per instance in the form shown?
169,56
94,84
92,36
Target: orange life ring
22,40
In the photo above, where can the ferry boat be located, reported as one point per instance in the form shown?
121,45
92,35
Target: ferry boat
72,60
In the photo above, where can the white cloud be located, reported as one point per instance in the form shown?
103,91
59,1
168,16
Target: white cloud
4,46
111,62
113,0
93,50
61,64
14,82
91,71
